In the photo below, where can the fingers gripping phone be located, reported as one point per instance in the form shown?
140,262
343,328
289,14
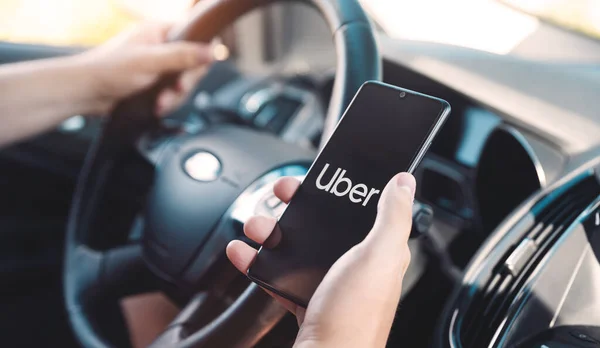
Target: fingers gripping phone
384,131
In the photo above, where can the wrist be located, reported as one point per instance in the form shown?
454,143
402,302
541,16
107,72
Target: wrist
91,96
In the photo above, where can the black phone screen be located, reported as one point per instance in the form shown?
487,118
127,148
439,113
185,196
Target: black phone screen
381,134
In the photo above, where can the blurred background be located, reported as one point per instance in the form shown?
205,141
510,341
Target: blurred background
493,26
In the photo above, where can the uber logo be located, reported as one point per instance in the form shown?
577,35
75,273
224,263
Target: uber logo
341,186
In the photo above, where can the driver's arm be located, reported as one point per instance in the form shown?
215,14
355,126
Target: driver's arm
37,96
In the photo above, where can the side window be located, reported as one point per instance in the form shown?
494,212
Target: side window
79,22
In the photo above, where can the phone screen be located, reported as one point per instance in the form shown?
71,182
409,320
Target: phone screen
383,132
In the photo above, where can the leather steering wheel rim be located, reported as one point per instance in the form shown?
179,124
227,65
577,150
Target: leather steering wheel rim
358,60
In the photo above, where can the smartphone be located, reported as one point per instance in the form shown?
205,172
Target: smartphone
384,131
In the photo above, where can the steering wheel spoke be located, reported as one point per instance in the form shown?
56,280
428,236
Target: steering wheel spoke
111,274
150,146
125,273
185,331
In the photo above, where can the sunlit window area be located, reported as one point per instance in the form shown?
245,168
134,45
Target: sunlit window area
487,25
477,24
76,22
579,15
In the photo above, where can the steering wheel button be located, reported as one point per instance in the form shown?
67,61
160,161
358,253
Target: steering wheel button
203,166
272,202
583,337
279,210
265,116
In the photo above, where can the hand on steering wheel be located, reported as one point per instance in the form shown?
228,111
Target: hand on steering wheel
135,59
355,304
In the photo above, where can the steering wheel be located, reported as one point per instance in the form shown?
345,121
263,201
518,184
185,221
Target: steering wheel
188,195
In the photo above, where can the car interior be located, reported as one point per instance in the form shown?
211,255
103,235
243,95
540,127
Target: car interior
101,209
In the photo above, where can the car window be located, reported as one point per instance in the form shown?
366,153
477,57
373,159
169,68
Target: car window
79,22
579,15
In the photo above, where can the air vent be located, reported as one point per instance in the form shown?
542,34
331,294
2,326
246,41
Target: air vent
554,214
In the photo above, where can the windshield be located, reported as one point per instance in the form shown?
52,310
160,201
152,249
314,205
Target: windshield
488,25
80,22
579,15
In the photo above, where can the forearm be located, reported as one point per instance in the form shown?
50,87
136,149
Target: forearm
36,96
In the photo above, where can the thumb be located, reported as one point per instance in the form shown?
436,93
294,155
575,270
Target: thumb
177,56
394,213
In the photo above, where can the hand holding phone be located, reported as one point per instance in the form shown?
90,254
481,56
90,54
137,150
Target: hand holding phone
328,234
363,287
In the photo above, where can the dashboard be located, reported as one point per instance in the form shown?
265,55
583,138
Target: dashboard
293,107
456,178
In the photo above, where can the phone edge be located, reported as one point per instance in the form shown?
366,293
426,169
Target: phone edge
444,113
285,295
